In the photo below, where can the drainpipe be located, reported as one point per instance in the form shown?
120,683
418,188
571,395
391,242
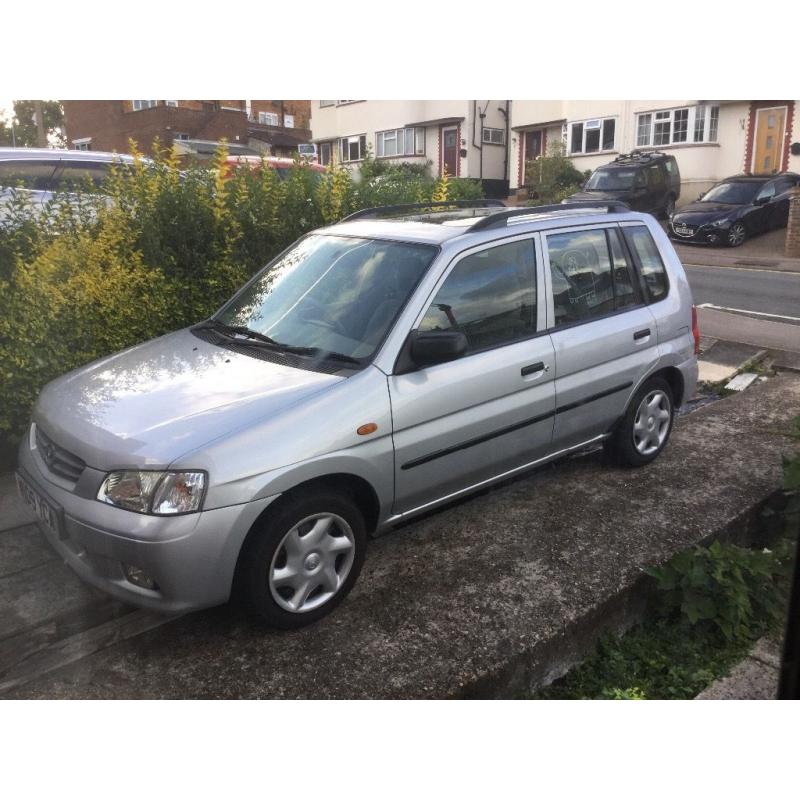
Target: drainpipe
483,116
506,113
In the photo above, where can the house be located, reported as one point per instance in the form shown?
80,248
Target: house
195,127
467,138
710,139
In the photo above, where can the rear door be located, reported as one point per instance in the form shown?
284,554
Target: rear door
460,423
603,333
656,188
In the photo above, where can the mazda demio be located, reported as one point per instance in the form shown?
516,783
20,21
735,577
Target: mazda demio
374,370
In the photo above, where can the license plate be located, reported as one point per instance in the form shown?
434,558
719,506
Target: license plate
684,230
46,513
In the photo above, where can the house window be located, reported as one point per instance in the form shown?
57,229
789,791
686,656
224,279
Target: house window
352,148
325,153
171,103
181,137
140,105
326,103
494,136
400,142
268,118
288,120
82,144
677,126
592,135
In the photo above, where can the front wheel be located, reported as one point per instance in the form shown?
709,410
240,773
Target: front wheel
643,432
737,234
304,559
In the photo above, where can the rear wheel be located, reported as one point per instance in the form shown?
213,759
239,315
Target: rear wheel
644,430
736,234
304,559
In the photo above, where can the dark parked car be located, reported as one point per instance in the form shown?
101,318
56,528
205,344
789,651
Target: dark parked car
649,182
735,209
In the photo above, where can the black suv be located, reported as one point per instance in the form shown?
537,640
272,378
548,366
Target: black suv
735,209
647,181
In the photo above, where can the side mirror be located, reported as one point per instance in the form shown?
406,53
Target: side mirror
436,347
760,201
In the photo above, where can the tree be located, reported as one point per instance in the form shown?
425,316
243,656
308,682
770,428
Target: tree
24,124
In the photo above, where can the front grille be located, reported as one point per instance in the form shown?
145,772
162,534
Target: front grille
58,460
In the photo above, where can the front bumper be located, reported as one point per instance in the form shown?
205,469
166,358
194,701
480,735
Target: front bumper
703,234
192,557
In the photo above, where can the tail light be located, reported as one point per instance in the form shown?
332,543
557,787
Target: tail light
695,331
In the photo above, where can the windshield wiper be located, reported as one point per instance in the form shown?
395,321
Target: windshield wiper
239,330
319,352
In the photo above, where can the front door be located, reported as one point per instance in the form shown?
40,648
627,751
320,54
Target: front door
463,422
770,130
450,150
533,145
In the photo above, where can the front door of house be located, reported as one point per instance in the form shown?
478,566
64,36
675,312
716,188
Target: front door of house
450,150
533,145
770,130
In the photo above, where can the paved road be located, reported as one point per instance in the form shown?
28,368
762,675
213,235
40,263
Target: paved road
764,293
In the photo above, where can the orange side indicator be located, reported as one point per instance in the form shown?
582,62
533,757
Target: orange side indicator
365,430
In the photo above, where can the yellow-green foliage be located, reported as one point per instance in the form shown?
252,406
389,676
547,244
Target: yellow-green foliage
161,248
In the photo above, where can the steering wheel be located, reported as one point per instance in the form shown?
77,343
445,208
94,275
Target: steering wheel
335,326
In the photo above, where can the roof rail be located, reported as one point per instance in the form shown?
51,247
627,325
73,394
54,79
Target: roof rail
443,205
502,217
638,155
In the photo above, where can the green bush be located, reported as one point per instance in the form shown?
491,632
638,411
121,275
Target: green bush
159,249
551,178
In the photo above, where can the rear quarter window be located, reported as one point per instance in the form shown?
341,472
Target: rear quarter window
651,266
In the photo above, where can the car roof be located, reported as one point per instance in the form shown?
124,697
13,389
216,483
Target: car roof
50,153
744,178
435,232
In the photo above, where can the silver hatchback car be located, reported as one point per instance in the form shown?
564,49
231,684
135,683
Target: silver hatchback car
374,370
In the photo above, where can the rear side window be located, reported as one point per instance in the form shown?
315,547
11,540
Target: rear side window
652,267
489,296
27,174
591,275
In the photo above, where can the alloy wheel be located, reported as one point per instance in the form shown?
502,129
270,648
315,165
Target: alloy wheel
652,421
311,563
736,234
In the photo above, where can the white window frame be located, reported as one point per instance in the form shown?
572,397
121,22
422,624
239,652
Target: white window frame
322,147
499,135
326,103
82,144
591,125
288,120
180,137
171,103
416,147
344,148
264,118
141,105
701,128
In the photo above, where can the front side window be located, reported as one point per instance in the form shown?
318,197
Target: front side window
655,177
352,148
677,126
27,174
590,274
767,193
334,294
732,192
77,176
592,136
651,266
489,296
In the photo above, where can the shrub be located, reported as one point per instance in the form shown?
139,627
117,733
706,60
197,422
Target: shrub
553,177
160,249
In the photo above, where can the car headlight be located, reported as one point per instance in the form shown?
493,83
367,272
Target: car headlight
149,492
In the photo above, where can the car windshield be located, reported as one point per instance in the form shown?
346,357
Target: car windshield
735,193
332,293
611,180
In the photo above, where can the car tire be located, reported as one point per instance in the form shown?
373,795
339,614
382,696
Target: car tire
736,235
669,207
643,432
290,580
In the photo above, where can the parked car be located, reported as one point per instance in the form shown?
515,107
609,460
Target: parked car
41,172
374,370
646,181
736,209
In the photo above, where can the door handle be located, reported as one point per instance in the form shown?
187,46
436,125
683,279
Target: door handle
641,334
539,366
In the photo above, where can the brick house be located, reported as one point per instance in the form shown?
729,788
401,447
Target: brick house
271,127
